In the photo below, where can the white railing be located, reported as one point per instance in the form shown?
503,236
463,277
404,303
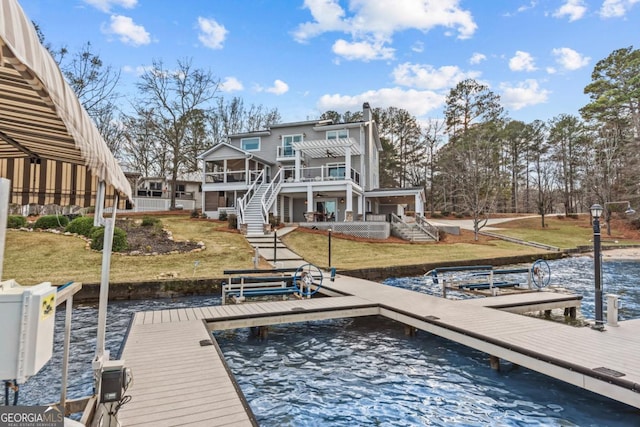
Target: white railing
270,194
243,201
323,173
151,204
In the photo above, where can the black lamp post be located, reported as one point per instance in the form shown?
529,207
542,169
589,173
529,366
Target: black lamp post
330,247
596,212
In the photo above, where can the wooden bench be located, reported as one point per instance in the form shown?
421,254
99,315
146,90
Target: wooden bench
255,283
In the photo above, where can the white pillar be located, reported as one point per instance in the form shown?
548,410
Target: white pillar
298,164
348,214
361,207
291,209
98,220
247,172
347,162
419,209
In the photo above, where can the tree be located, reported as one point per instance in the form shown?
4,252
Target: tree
541,167
516,141
172,98
432,133
615,89
232,117
567,136
470,102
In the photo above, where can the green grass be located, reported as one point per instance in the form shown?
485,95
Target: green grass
349,254
563,233
34,257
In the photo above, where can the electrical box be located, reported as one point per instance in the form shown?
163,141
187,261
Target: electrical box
113,381
27,322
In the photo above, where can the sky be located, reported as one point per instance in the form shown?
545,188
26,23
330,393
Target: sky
305,57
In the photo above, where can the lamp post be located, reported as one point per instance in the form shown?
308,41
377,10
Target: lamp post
607,211
596,212
330,247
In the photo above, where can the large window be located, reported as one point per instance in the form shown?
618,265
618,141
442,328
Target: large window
287,144
250,144
337,134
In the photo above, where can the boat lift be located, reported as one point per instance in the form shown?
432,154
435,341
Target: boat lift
483,277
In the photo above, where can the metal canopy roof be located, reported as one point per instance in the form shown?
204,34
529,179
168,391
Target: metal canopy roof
40,115
323,148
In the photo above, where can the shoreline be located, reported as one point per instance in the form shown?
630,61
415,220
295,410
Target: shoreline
621,254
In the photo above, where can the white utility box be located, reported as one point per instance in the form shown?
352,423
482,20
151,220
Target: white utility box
27,321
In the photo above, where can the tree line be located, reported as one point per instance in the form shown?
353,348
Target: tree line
476,160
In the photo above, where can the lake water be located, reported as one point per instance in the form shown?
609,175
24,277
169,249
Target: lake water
365,371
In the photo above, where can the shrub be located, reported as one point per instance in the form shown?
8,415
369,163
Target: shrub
16,221
222,216
445,213
442,235
233,221
195,214
82,225
149,221
51,221
119,239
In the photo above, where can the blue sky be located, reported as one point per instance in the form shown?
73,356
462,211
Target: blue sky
304,57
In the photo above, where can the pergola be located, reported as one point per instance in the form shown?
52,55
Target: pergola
322,148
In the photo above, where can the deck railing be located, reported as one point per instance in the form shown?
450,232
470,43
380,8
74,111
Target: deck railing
243,201
270,194
430,229
322,173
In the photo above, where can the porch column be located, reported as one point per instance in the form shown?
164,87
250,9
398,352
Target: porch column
360,207
419,205
290,209
275,206
247,172
298,162
310,217
347,162
224,171
348,213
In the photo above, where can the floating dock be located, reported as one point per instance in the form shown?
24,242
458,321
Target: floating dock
165,347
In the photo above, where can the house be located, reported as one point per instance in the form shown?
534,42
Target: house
154,193
310,172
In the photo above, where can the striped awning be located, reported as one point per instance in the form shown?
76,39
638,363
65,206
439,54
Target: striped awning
40,115
327,148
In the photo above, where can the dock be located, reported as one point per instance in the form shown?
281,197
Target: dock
165,346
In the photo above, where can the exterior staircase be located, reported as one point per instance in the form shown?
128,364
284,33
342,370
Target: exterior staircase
413,231
253,216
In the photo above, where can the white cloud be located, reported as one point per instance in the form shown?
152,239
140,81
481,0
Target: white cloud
127,31
424,76
279,88
418,47
106,5
419,103
616,8
569,59
522,95
231,84
522,61
363,51
211,34
477,58
138,71
373,23
574,9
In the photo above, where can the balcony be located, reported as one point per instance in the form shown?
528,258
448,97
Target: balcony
322,173
285,154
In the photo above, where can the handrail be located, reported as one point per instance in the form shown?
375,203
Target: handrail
428,228
242,202
270,194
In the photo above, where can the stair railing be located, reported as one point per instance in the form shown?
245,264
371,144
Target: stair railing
430,229
243,201
398,224
270,195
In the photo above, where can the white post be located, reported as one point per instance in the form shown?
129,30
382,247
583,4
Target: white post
65,353
5,189
347,162
298,164
613,304
98,220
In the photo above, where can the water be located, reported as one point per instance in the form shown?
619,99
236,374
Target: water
367,372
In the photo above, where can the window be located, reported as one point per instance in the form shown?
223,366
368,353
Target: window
337,134
155,186
250,144
287,144
336,170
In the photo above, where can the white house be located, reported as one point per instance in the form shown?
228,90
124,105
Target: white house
313,171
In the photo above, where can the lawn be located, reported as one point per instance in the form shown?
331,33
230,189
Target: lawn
33,257
567,233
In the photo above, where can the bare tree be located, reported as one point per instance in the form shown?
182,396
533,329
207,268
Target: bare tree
172,96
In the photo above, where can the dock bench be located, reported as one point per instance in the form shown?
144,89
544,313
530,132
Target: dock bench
255,283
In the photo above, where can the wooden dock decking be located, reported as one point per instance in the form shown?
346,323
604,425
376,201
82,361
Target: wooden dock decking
164,346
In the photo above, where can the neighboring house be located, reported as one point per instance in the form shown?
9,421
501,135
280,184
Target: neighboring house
154,193
313,171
